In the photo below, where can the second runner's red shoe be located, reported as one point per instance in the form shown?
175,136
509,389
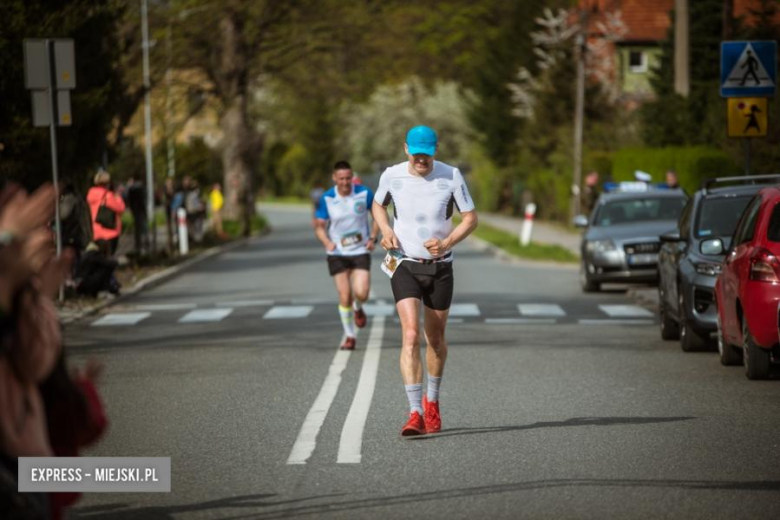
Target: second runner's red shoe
414,426
360,318
431,416
349,344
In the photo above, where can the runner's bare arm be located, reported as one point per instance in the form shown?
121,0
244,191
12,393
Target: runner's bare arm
469,223
389,240
320,230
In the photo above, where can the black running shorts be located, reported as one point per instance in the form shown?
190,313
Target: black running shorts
339,264
431,282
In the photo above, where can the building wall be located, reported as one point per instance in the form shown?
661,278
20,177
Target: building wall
635,79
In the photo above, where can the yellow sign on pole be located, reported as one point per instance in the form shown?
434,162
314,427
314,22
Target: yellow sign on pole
748,117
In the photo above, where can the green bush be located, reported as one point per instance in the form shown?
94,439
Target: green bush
692,164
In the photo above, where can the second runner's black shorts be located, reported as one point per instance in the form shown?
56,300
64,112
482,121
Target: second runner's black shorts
433,283
338,264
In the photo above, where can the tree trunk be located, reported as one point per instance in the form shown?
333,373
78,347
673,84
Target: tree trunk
237,139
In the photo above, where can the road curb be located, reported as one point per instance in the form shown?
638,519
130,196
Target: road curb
161,277
485,246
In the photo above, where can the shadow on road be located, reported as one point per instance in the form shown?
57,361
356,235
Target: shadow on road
576,421
259,503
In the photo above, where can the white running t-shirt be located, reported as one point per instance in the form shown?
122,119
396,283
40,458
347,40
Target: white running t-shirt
347,219
423,205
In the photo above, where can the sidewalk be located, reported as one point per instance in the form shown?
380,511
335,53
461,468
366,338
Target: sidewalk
543,232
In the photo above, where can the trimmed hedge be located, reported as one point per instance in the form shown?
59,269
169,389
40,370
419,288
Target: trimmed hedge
692,164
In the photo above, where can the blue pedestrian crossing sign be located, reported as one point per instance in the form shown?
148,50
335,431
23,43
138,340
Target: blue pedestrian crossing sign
748,69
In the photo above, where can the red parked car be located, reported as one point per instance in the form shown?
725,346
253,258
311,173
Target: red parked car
747,291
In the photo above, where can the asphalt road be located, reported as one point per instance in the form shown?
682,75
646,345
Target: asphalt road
567,407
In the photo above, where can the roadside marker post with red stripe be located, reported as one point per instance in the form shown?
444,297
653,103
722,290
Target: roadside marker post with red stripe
528,224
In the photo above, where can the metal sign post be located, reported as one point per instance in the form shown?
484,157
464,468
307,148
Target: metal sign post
50,72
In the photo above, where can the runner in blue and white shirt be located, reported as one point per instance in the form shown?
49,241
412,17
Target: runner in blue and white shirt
424,193
342,227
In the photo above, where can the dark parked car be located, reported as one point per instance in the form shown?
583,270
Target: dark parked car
691,256
620,243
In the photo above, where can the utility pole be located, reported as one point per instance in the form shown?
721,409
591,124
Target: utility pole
579,109
148,126
682,70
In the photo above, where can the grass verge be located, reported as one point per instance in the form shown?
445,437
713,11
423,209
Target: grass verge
510,243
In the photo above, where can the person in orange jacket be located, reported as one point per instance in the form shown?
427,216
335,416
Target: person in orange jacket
101,194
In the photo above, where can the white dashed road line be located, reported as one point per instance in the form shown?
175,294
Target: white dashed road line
616,322
351,444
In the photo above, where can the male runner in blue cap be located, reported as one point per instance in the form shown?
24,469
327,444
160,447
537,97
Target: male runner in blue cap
424,193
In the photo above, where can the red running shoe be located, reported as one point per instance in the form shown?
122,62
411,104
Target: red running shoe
431,415
349,344
360,318
414,426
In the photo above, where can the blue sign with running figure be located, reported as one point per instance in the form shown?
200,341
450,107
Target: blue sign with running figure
748,69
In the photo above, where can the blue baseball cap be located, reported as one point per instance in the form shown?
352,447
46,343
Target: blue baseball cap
421,139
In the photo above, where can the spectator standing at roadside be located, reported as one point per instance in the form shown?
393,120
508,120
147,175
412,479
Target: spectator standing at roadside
591,192
136,201
102,195
75,220
196,209
671,180
216,201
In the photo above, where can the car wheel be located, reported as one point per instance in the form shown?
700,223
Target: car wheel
726,351
754,358
690,340
586,283
669,328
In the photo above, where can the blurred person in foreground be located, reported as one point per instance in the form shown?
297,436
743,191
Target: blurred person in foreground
30,338
424,193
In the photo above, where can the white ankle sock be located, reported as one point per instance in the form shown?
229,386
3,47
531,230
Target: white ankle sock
347,321
414,394
433,388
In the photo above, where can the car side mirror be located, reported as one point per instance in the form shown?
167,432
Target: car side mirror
673,236
713,246
581,221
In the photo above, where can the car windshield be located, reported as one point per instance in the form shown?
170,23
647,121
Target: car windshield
718,217
639,210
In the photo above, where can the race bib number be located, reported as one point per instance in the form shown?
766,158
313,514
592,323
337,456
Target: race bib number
392,260
351,239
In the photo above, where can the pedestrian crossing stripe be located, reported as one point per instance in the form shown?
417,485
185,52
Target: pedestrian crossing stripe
287,312
625,311
540,309
128,318
529,313
464,309
205,315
